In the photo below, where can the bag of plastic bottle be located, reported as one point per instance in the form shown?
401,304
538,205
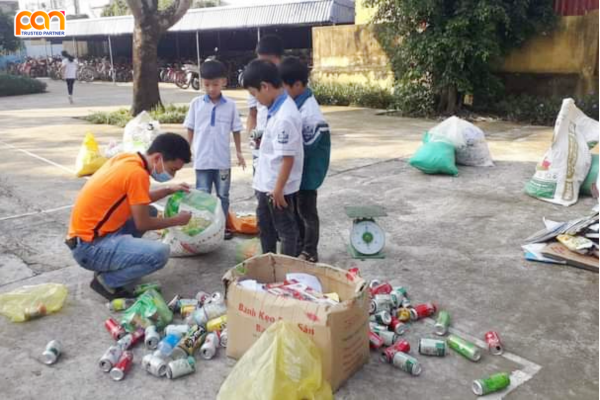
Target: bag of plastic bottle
206,229
139,133
29,302
149,309
89,159
284,363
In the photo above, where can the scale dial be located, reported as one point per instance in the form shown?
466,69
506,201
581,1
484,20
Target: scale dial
367,237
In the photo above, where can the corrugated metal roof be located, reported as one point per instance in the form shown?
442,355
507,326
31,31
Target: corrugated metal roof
574,7
305,12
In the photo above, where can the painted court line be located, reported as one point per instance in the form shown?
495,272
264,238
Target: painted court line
50,210
38,157
517,377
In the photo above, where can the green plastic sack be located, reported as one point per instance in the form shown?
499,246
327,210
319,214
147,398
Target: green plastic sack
31,302
247,249
284,363
592,176
149,309
435,157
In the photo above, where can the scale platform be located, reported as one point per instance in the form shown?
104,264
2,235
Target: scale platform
367,239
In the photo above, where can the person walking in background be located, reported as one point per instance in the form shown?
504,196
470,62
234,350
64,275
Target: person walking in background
69,72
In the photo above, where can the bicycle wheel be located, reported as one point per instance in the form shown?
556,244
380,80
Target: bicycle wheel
181,80
196,83
86,75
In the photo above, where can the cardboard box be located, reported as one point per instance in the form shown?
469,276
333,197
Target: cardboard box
558,251
340,331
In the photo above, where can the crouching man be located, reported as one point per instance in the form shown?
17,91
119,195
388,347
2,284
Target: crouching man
113,211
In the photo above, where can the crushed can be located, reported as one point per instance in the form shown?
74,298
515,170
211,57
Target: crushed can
398,326
131,339
151,338
118,372
114,329
52,352
494,344
110,358
388,354
432,347
422,311
406,363
491,384
383,288
209,348
375,341
181,367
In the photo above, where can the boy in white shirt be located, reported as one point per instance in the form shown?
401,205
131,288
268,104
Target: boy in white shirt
210,120
317,151
279,170
269,48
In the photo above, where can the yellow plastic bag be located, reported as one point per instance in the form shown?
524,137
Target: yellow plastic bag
89,159
31,302
283,364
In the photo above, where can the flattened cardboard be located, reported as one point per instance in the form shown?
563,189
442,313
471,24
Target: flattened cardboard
558,251
340,331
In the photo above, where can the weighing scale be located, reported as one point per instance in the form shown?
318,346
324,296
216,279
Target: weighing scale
367,239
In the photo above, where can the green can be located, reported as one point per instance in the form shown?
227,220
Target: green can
397,295
464,348
442,323
492,383
144,287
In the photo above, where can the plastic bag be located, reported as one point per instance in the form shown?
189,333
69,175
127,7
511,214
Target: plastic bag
591,178
139,133
434,157
245,224
560,174
247,249
449,131
206,229
149,309
284,363
31,302
89,159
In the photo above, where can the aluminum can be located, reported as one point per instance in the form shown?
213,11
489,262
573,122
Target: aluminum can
464,348
188,302
383,317
406,363
422,311
492,383
223,338
383,288
189,343
215,297
114,329
389,338
406,303
374,283
398,326
110,358
217,324
202,296
174,304
118,372
398,294
181,329
432,347
155,365
120,304
181,367
209,311
209,348
388,354
494,343
380,303
52,352
355,272
144,287
151,337
404,314
375,341
442,323
186,311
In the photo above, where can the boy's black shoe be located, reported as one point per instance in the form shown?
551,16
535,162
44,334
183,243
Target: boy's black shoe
108,293
228,234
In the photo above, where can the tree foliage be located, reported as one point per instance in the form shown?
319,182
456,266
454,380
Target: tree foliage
8,41
119,7
442,49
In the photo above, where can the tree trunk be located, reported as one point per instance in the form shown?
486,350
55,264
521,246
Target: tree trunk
145,66
448,101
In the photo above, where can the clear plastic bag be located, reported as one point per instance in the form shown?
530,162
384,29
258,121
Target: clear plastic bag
139,133
31,302
247,249
284,363
89,159
149,309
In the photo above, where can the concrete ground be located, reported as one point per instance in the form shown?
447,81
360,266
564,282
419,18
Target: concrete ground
453,240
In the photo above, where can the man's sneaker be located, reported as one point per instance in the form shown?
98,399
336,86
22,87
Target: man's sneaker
107,292
304,256
70,99
228,234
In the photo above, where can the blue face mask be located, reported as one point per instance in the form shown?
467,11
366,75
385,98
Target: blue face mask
163,176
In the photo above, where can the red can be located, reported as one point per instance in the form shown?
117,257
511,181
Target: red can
120,369
375,341
138,335
384,288
354,272
398,326
494,343
114,328
400,346
422,311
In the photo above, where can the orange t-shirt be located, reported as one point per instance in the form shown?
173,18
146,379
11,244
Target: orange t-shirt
103,205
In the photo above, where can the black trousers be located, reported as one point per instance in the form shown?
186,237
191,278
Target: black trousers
70,83
277,224
308,222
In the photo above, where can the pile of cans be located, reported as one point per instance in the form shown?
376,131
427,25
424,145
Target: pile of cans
391,313
202,332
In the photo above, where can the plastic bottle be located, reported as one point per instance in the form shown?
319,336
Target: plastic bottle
168,343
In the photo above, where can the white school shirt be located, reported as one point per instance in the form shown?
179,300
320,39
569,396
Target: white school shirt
212,125
312,119
261,112
282,137
70,68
